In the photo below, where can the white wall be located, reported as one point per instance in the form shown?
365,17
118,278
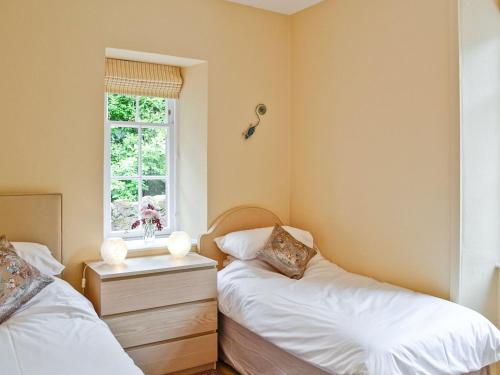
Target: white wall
480,134
192,134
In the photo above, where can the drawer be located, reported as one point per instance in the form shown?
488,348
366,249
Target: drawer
159,359
157,290
165,323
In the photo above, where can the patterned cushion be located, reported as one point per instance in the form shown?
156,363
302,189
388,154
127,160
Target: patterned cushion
288,255
19,281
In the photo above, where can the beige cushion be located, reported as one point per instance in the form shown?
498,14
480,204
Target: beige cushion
19,281
288,255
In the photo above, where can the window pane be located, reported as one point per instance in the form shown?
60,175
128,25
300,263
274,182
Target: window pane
124,204
124,151
152,110
154,192
121,107
153,152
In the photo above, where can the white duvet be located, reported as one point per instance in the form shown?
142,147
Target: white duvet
58,333
349,324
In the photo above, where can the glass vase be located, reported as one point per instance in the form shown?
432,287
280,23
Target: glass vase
149,231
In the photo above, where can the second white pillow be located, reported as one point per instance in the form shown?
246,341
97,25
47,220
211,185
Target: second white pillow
244,244
39,256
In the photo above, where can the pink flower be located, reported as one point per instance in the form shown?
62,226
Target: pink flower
157,222
150,214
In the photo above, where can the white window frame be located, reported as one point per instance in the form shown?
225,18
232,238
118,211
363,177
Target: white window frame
170,151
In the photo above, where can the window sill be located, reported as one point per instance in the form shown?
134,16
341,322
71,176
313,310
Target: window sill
138,245
141,245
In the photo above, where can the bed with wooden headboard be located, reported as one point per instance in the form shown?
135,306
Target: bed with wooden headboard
57,331
243,349
33,218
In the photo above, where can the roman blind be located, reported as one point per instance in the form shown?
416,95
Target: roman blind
141,78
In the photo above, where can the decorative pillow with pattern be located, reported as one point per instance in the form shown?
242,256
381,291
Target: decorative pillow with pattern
19,281
288,255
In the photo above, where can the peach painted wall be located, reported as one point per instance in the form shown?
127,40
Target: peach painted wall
52,70
360,144
375,137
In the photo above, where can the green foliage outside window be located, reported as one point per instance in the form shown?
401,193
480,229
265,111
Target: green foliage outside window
153,152
121,107
124,189
125,145
124,151
152,110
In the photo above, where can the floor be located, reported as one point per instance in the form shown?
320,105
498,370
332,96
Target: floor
225,369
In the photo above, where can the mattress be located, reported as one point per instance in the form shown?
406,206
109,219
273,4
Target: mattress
58,332
250,354
342,323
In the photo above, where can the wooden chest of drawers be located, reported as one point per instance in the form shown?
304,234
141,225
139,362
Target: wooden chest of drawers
162,310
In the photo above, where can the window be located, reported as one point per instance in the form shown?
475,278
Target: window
139,162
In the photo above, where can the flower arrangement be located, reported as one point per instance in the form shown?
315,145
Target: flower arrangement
150,220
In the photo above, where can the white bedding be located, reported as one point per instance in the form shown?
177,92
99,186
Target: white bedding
58,333
349,324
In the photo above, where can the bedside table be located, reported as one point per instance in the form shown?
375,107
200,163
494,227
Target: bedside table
162,310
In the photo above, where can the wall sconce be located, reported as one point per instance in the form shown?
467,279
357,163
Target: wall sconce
260,110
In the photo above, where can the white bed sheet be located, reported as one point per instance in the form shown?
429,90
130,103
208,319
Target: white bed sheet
345,323
59,333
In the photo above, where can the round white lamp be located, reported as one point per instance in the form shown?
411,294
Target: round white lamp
179,244
113,250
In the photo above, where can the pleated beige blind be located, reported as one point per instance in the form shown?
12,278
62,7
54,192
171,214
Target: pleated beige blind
141,78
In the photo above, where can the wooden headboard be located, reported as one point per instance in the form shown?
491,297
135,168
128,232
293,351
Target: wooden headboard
239,218
33,218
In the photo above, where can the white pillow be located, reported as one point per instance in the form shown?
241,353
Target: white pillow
39,256
244,244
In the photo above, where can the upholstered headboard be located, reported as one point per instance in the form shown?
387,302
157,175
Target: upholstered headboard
33,218
239,218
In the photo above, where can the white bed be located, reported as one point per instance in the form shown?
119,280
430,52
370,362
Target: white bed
58,332
344,323
337,322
